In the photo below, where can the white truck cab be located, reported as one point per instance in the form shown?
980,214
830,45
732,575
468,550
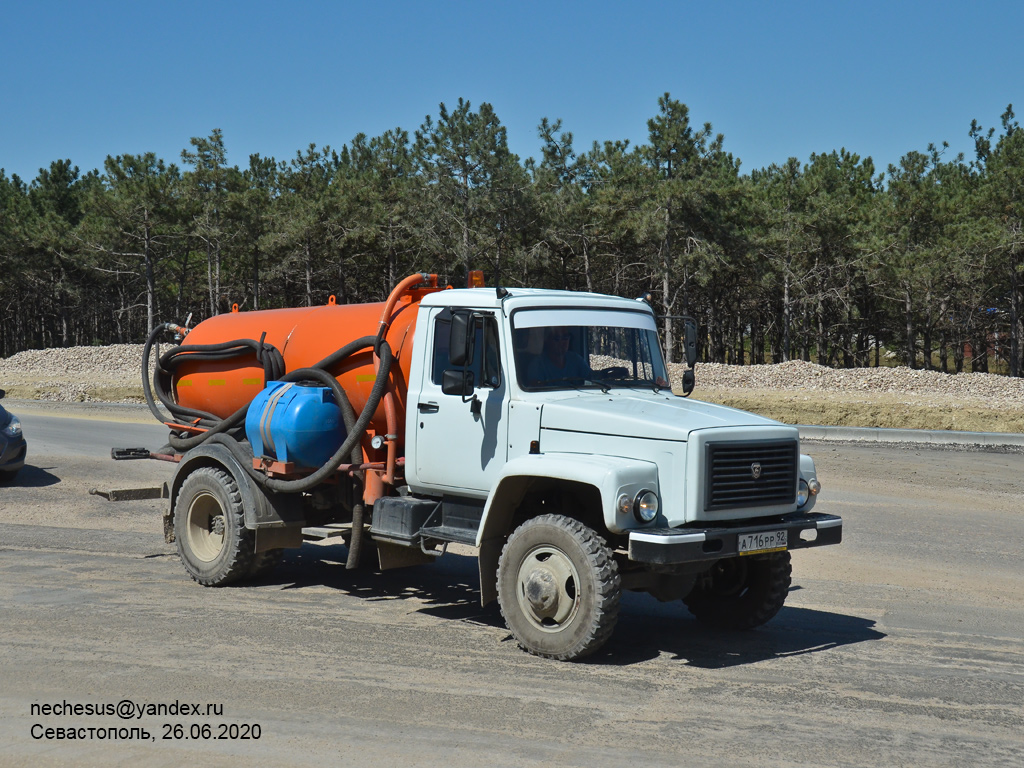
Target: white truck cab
538,413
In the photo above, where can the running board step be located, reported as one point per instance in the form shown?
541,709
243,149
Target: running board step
321,532
449,533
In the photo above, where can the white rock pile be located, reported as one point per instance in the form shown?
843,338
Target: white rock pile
797,375
71,374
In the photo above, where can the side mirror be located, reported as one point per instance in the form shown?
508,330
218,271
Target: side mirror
457,382
689,380
690,343
460,339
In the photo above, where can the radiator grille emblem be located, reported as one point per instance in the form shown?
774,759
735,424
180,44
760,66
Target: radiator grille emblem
750,473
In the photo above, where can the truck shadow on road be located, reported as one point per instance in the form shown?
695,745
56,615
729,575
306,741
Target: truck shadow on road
647,629
31,476
450,590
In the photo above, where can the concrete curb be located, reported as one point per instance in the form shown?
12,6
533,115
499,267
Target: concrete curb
923,436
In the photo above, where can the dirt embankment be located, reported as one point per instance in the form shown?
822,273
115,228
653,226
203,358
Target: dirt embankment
794,392
804,393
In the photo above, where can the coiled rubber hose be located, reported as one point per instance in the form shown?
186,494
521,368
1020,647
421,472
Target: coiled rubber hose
266,354
216,430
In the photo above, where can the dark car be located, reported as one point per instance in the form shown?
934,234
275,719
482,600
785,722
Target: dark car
12,444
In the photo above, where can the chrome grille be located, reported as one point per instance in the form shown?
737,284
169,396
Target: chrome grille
750,474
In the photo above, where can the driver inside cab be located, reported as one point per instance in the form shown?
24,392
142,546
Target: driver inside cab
557,362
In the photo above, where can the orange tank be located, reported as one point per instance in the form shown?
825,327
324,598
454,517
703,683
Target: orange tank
304,336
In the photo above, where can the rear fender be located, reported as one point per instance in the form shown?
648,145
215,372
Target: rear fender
263,509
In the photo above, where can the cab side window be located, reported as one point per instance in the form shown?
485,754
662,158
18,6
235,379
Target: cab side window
486,366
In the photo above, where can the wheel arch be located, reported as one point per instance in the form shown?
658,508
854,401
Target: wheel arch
597,481
216,456
263,510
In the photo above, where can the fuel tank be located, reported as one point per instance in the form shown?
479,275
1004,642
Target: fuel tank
304,336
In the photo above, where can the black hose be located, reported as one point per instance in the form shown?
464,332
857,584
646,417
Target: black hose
146,389
355,543
273,366
244,453
270,358
187,443
267,355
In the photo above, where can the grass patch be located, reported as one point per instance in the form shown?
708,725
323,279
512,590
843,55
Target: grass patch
118,393
107,393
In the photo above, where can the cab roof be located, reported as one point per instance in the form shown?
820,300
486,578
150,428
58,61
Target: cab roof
521,298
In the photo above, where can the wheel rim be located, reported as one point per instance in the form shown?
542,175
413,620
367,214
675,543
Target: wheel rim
548,588
205,527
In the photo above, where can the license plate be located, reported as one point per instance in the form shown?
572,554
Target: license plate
765,541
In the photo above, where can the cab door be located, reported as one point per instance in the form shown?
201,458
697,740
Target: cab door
461,439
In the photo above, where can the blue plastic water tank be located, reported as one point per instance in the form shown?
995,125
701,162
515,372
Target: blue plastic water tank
295,422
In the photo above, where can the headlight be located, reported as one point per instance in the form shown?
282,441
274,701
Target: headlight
645,507
802,493
806,489
13,428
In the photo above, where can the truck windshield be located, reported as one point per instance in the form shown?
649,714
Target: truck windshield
570,349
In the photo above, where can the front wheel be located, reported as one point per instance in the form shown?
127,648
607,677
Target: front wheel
741,592
558,588
209,527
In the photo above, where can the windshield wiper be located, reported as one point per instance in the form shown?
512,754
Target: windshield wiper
573,382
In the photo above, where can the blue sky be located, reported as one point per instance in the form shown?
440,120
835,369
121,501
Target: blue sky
82,80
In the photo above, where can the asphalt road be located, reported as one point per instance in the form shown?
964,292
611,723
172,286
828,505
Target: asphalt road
902,646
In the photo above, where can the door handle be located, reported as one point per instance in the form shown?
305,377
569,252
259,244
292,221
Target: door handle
428,407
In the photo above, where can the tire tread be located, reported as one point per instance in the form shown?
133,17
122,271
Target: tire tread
238,562
761,602
609,592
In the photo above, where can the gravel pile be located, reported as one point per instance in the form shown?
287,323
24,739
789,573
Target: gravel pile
71,374
800,376
118,362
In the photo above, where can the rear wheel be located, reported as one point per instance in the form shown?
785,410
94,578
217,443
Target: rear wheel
742,592
209,526
558,588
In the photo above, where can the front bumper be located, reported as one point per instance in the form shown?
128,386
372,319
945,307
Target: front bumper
666,546
12,454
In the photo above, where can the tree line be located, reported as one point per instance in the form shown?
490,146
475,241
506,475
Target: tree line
829,260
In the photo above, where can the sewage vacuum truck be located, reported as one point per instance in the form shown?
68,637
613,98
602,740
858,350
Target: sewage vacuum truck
538,427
